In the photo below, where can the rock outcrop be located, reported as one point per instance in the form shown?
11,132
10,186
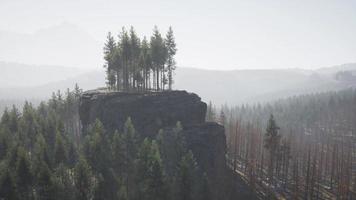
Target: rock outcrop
149,111
152,111
208,144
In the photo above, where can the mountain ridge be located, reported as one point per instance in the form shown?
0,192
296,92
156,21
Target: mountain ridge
220,87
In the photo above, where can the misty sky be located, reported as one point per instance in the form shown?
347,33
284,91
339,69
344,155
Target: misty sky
210,34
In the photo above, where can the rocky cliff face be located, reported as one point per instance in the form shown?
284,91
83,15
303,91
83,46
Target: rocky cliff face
152,111
149,111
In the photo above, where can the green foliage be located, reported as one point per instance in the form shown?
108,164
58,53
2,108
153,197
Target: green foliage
42,157
130,61
63,181
83,180
35,145
130,149
41,154
45,187
60,154
7,186
118,154
186,169
96,147
171,51
24,176
272,138
150,173
4,144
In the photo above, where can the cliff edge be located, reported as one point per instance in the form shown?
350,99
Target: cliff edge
152,111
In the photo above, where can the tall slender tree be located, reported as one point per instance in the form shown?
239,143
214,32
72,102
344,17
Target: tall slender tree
272,140
135,53
24,177
83,180
158,56
171,51
130,62
109,51
125,53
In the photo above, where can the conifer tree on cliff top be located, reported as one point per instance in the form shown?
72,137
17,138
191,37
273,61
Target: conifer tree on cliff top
133,64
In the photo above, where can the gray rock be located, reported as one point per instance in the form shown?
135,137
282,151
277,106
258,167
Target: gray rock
149,111
152,111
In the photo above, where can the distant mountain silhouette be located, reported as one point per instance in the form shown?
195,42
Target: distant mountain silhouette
64,44
21,75
251,86
231,87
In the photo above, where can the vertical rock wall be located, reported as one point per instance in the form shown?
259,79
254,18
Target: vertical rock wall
151,111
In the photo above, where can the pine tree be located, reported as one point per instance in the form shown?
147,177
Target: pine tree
118,154
109,57
150,174
118,164
271,143
172,146
96,147
133,60
77,91
63,180
45,187
130,150
125,55
5,118
157,189
60,154
97,150
7,187
41,153
145,62
28,125
171,51
14,120
24,177
83,180
186,183
112,81
72,155
4,144
135,53
158,56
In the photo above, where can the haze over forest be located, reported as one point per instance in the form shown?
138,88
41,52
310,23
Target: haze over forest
25,57
177,100
232,87
228,39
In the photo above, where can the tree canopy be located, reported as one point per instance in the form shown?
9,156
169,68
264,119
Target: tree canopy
135,64
42,156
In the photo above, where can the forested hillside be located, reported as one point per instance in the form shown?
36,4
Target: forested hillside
302,147
177,100
44,155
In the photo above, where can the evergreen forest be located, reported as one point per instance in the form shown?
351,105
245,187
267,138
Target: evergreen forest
43,155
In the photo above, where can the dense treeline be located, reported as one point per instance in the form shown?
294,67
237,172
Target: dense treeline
135,64
42,156
306,150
